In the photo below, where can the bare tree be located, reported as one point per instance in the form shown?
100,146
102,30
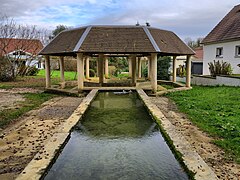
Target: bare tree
193,43
20,44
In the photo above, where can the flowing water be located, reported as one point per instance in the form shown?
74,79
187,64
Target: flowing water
116,139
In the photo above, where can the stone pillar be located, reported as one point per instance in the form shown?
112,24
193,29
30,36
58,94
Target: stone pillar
106,66
133,60
174,69
154,72
188,71
149,67
129,66
80,71
61,62
47,71
87,67
139,68
97,73
100,69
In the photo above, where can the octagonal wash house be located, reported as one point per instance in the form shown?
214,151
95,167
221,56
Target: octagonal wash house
124,41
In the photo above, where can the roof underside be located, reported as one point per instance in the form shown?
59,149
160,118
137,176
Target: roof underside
116,40
227,29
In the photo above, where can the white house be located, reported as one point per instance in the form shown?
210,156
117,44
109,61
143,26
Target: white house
223,42
22,50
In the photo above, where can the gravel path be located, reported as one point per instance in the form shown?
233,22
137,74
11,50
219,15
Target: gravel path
19,143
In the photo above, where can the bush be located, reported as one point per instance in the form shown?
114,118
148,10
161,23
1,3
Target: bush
32,71
6,70
92,73
145,72
163,65
219,68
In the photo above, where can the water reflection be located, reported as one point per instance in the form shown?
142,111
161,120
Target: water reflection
117,139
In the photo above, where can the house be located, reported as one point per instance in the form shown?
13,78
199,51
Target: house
223,42
22,50
196,60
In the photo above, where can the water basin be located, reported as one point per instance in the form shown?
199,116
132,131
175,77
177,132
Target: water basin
116,139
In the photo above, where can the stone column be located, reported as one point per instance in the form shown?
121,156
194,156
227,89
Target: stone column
97,73
47,71
100,69
106,66
174,69
61,62
87,67
149,67
80,71
188,71
139,68
133,60
154,72
129,66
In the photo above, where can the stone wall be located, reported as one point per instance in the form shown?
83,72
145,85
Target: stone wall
219,80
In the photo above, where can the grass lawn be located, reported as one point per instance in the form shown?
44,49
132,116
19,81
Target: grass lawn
32,101
37,81
215,110
69,75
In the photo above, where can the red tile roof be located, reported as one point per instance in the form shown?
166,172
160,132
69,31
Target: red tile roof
32,46
227,29
116,40
198,53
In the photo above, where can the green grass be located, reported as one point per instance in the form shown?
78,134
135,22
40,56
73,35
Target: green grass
69,75
37,81
32,101
167,86
215,110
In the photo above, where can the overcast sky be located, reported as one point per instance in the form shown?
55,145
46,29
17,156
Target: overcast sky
187,18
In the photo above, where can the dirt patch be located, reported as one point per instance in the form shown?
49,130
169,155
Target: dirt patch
10,101
200,141
12,98
20,143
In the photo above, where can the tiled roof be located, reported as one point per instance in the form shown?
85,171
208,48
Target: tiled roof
117,39
227,29
32,46
198,53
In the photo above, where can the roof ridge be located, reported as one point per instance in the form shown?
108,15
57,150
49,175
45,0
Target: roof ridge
153,42
82,38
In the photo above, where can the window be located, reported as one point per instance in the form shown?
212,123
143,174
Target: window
237,51
219,52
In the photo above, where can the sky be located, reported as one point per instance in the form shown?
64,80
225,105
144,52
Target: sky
187,18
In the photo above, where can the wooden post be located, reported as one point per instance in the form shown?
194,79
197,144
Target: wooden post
106,66
133,60
80,71
188,71
87,67
61,62
154,71
174,69
100,69
139,68
47,71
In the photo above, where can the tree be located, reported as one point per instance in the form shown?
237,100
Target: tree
163,65
193,43
58,29
15,42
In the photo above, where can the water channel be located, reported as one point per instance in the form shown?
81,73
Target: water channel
116,139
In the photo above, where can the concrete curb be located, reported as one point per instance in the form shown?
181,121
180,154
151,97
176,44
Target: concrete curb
191,159
35,169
